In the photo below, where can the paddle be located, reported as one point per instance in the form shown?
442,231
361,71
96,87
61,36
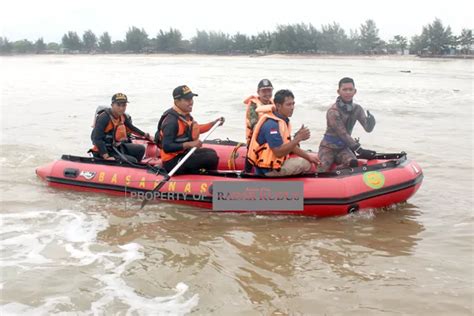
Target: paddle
180,163
142,138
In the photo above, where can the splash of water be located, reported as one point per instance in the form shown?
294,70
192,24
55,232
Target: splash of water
75,234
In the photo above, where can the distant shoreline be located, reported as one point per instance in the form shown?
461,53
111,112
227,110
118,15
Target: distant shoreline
280,55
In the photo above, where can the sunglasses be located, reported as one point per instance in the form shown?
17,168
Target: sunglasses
121,103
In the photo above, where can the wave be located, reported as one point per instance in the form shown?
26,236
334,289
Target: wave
64,244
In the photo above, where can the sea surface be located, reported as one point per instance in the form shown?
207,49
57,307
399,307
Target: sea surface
70,253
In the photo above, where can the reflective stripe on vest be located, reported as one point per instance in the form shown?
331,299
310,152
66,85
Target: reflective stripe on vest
262,156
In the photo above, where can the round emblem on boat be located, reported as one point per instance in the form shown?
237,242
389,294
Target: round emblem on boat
374,179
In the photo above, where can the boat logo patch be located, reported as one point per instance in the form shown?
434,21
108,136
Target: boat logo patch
374,179
88,175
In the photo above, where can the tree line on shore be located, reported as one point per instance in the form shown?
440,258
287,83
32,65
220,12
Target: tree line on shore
435,39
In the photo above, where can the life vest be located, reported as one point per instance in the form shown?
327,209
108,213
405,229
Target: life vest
255,110
116,131
188,130
262,156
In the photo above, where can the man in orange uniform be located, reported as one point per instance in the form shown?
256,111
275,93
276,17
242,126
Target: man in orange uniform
178,132
271,143
112,128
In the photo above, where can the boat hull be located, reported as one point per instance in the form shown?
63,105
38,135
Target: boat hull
375,184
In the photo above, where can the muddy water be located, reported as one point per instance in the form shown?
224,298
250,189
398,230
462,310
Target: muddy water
64,251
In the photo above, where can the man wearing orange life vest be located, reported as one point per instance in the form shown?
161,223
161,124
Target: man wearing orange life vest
112,128
257,106
178,132
271,142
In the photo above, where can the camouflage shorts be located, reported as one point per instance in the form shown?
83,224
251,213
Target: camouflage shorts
328,156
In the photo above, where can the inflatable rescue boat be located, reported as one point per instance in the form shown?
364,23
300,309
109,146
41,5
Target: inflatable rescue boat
375,183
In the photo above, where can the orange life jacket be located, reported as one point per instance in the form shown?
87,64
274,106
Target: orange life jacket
120,131
255,110
188,130
115,131
262,156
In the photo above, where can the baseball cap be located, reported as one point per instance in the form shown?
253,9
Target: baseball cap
264,84
119,98
183,92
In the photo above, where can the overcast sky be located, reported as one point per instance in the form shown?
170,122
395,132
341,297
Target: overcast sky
50,19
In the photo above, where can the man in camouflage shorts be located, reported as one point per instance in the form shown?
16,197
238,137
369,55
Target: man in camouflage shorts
338,146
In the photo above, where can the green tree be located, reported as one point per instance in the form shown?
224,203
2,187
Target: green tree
307,38
200,42
136,39
241,43
186,45
352,44
40,46
369,37
436,38
119,47
71,41
401,42
90,41
283,39
5,46
397,44
219,42
261,42
417,44
23,47
211,43
53,47
295,38
171,41
333,38
105,42
465,40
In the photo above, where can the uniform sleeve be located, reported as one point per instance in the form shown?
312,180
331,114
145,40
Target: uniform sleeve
205,127
135,130
170,131
271,133
98,133
367,122
335,122
252,115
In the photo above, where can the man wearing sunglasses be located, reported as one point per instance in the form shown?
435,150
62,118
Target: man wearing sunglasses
111,132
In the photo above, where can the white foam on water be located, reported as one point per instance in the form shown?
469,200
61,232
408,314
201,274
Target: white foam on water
24,237
244,238
48,308
364,214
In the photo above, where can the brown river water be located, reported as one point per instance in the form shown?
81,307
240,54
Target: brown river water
70,253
